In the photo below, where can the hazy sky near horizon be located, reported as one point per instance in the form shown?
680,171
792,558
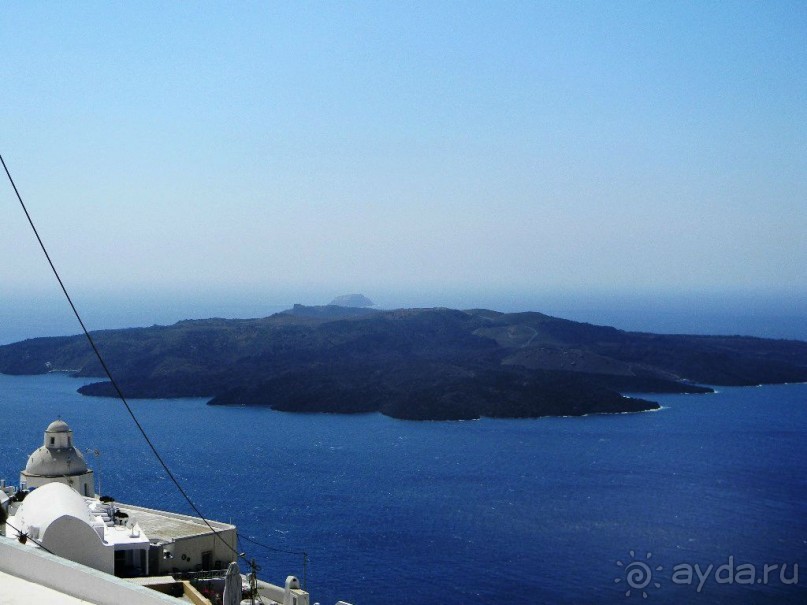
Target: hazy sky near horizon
419,147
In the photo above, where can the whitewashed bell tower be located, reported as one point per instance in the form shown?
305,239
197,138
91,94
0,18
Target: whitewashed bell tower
58,461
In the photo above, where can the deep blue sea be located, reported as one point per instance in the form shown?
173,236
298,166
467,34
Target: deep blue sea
523,511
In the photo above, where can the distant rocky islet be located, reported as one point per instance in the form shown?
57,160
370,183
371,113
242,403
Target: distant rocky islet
352,300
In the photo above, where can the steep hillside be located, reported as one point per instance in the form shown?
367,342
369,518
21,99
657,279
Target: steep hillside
411,363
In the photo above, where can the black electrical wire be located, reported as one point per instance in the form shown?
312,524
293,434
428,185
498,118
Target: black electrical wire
24,536
283,550
106,369
272,548
129,409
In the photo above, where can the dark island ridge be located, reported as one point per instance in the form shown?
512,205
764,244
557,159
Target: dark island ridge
417,364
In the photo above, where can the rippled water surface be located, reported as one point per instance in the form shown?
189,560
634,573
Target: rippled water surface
526,511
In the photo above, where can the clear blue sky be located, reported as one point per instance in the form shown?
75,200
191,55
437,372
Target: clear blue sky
418,152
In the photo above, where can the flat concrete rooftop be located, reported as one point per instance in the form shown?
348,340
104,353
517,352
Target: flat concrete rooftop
167,526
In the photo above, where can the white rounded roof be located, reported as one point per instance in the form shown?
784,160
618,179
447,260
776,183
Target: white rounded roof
46,462
58,426
47,503
57,457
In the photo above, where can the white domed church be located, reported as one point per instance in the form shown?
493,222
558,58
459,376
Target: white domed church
58,461
56,510
57,507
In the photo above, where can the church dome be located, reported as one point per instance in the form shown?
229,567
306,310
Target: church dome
57,457
47,462
58,426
